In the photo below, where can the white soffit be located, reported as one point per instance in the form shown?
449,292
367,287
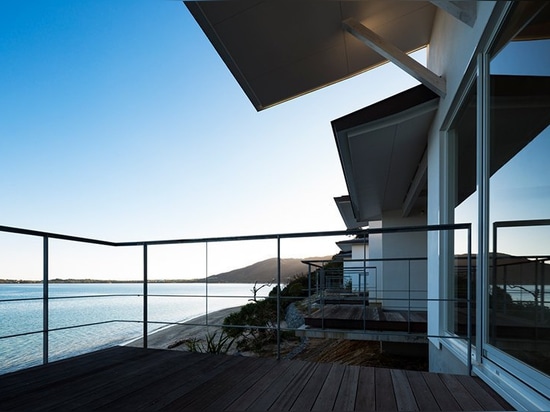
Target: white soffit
381,148
346,211
281,49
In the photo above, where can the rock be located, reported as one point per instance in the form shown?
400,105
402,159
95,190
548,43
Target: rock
294,318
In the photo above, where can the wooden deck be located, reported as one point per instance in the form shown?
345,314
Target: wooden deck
360,317
126,378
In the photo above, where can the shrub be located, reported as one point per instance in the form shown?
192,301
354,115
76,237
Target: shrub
219,346
258,319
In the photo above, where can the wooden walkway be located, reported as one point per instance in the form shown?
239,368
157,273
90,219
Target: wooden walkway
360,317
126,378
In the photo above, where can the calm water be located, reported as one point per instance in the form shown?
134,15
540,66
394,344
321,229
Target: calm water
74,304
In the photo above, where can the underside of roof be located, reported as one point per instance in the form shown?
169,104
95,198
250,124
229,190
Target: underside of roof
382,149
278,50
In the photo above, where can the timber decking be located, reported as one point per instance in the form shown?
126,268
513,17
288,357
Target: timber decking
126,378
359,317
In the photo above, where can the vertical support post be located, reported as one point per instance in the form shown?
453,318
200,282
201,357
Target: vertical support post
206,281
45,302
542,263
482,178
278,297
145,292
469,300
309,289
409,300
364,282
323,291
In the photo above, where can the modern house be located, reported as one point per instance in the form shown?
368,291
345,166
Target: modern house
469,144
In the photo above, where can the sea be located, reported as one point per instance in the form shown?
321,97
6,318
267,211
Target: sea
118,304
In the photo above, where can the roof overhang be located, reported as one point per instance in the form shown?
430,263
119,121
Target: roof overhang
382,150
346,211
278,50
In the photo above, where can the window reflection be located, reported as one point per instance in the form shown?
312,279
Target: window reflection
519,286
464,199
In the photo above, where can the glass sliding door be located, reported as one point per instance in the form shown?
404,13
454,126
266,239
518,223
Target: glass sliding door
518,330
463,197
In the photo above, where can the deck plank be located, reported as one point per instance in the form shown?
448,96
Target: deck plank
345,400
136,380
271,394
312,389
132,379
62,389
462,396
222,386
385,395
244,384
443,397
246,399
286,399
505,406
422,393
38,377
366,391
184,393
329,392
172,386
403,392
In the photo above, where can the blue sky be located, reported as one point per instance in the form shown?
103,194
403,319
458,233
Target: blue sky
120,122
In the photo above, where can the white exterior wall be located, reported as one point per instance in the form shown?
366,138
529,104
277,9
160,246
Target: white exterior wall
389,281
451,54
375,252
357,271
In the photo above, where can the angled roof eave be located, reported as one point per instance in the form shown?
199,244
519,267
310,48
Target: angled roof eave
377,173
279,50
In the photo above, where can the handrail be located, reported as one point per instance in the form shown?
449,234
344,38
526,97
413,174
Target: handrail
278,237
347,232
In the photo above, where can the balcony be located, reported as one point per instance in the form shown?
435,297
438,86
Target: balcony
131,378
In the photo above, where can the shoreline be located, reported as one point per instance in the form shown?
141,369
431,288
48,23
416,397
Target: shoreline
169,336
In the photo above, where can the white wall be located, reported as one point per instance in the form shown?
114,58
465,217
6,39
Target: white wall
451,54
390,281
357,270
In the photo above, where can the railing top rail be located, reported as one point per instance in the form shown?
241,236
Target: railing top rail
519,223
39,233
347,232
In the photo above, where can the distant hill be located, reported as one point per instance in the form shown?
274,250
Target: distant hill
264,271
261,272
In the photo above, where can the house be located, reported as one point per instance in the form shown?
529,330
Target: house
470,144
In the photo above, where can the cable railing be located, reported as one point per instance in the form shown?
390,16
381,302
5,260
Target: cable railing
367,294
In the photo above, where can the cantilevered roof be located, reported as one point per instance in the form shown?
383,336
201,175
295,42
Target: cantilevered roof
346,211
382,151
280,49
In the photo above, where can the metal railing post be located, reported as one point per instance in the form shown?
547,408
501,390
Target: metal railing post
409,300
145,292
278,297
45,302
309,290
469,301
206,281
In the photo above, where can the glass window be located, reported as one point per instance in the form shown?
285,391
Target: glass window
463,198
519,283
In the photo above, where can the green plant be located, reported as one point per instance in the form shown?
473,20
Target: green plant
254,325
221,345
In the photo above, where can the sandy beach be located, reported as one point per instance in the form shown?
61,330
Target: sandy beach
169,337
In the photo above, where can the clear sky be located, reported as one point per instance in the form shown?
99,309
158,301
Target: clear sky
119,121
